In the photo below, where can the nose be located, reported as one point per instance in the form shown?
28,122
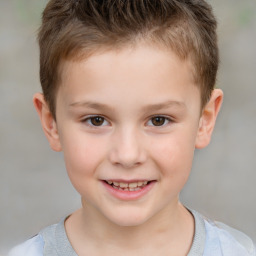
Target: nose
127,149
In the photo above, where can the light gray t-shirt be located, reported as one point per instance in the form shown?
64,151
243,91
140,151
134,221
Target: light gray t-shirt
210,239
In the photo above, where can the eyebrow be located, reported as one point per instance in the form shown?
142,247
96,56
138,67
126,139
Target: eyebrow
150,107
92,105
164,105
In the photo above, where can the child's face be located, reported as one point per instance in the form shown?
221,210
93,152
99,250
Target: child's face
130,117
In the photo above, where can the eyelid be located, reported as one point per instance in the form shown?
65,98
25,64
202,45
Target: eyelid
88,117
168,118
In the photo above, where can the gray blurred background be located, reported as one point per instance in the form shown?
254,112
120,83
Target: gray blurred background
34,188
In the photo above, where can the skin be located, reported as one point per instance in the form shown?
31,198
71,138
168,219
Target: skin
128,89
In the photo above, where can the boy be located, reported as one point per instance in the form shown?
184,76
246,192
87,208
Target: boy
128,94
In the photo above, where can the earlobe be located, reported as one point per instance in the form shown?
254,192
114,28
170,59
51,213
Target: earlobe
208,119
47,121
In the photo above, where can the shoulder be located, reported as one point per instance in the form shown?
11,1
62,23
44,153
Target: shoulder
227,240
52,240
32,247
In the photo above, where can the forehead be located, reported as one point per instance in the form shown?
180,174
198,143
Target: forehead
140,48
143,54
154,71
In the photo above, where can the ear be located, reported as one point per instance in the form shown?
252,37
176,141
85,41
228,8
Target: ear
208,119
48,123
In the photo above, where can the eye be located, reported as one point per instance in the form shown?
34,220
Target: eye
96,121
158,121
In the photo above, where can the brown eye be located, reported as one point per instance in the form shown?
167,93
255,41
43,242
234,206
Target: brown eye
97,120
158,120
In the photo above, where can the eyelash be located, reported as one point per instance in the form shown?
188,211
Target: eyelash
166,120
88,121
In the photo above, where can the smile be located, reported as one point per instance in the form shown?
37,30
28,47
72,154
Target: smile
128,190
131,186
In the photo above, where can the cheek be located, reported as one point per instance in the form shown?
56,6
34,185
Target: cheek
174,156
82,157
174,164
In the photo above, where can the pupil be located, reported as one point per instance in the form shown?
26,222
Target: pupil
158,121
97,121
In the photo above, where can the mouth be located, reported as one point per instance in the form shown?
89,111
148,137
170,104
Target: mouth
129,190
128,186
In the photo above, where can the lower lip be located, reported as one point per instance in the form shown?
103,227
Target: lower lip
128,195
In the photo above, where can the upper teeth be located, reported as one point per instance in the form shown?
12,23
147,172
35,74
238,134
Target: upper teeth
128,185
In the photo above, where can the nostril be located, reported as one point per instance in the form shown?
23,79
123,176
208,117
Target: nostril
126,164
127,150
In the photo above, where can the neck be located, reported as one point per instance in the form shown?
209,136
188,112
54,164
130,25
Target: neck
173,227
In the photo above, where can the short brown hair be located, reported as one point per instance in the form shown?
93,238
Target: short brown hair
76,28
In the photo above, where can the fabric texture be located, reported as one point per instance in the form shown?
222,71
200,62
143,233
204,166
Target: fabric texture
32,247
210,239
